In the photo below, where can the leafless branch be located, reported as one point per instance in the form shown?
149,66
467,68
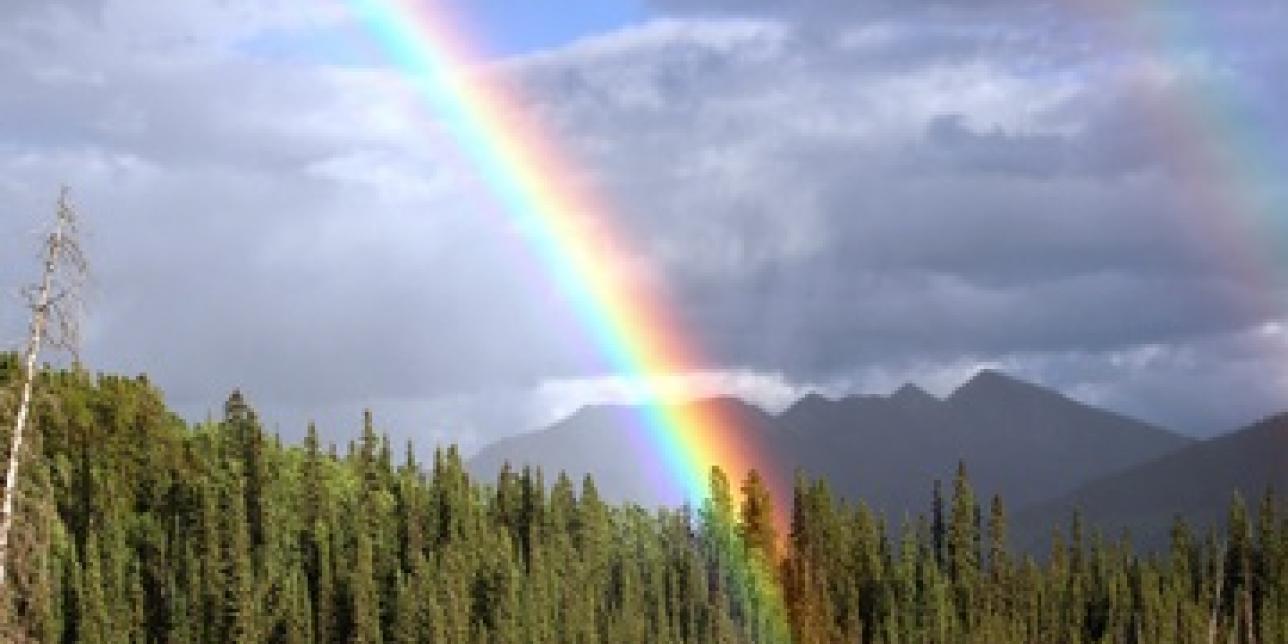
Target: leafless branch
55,304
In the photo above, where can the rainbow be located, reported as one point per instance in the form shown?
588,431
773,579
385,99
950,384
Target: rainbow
570,231
1229,171
628,319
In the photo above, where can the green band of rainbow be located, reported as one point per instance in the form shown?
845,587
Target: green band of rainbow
570,231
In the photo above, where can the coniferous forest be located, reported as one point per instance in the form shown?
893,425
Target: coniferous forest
137,527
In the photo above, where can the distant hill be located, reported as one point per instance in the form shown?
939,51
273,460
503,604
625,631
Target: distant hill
610,442
1197,482
1029,443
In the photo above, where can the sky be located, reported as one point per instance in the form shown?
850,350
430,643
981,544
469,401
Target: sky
836,197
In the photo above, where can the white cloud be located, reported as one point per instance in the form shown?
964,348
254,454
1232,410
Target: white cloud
557,399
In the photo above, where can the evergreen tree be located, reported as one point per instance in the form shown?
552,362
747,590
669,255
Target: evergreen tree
963,552
939,530
757,519
239,597
364,598
153,540
409,627
324,595
94,622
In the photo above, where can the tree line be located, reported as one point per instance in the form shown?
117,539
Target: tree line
135,526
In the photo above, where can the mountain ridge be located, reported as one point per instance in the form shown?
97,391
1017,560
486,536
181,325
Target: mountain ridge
1024,441
1145,499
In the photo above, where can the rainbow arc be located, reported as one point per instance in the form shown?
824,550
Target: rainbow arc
570,230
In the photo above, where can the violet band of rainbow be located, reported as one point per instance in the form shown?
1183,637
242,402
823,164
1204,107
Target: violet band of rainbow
570,231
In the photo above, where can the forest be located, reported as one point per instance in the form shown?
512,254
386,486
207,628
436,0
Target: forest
136,526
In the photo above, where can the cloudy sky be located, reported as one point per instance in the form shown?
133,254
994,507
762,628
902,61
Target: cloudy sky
836,196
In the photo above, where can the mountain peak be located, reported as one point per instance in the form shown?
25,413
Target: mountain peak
810,402
1022,441
627,411
991,383
910,394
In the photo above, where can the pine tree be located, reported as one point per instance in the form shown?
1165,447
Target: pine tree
1238,566
365,600
247,437
963,561
411,506
95,624
757,519
938,529
313,483
408,625
999,565
239,597
297,627
150,541
324,595
1267,547
453,578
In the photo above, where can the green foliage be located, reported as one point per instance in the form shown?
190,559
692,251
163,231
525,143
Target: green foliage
157,531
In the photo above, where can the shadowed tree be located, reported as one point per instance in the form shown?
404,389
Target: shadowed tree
757,519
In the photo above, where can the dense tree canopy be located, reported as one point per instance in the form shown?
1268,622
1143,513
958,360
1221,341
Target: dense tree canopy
141,528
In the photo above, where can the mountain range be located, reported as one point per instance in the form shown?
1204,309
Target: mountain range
1043,452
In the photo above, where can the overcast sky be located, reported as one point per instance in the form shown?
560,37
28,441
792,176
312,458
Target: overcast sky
838,196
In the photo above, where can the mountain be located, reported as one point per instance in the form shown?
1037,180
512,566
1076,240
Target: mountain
1026,442
610,443
1197,482
1021,440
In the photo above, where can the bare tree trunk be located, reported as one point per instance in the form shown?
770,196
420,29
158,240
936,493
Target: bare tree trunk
61,252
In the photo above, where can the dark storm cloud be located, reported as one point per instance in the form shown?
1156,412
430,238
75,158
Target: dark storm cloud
828,206
902,197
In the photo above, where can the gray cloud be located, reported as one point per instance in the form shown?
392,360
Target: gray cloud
902,197
830,8
858,209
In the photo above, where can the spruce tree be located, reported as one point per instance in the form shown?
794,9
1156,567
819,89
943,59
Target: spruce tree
239,598
999,565
408,627
324,595
364,597
756,526
938,529
94,621
963,561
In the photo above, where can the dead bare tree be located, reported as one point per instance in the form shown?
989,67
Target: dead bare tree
55,304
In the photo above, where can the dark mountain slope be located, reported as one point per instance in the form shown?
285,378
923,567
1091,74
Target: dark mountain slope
1026,442
1197,482
1033,443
